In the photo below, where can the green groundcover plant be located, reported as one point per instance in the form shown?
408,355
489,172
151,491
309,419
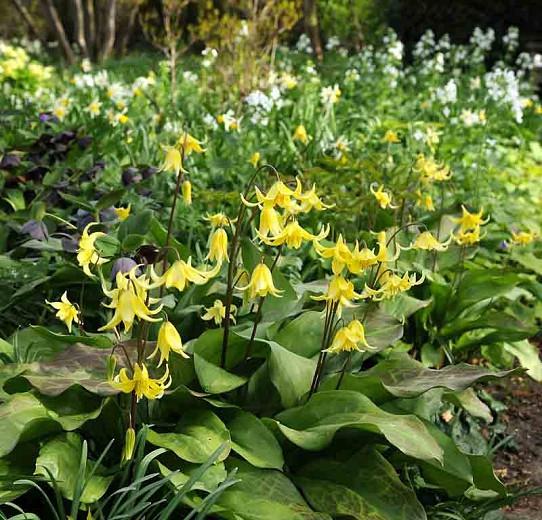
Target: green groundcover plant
276,306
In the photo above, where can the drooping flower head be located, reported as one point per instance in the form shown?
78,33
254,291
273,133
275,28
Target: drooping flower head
141,383
349,338
66,311
169,340
261,283
87,254
217,313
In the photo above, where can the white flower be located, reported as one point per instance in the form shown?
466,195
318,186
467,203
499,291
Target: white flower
330,95
189,76
448,93
396,50
332,43
304,44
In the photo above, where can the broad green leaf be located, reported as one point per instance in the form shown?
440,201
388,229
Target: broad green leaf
61,456
209,481
469,401
528,357
303,335
137,223
402,376
404,306
197,435
23,417
214,379
364,487
313,425
265,494
99,340
252,440
107,246
20,463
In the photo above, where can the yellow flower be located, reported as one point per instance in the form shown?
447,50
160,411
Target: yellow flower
341,291
424,200
255,159
141,383
129,301
218,246
181,273
173,160
278,195
468,237
94,108
523,238
218,312
60,111
169,340
300,134
538,109
361,259
430,170
339,252
87,255
218,220
261,283
309,199
122,119
270,220
470,220
391,137
349,338
67,312
187,192
189,144
382,197
391,285
428,242
123,213
293,236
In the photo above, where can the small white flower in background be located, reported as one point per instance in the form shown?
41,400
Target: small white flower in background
209,54
93,108
511,39
396,50
468,117
229,121
351,76
447,94
288,81
446,111
537,61
304,44
341,146
483,40
475,83
343,52
418,135
330,95
210,121
86,66
101,79
189,76
332,43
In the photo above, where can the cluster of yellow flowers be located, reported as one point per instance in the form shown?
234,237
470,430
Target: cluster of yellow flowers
15,63
469,227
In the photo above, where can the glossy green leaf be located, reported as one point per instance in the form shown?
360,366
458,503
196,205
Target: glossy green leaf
253,441
197,435
366,486
61,456
313,425
528,356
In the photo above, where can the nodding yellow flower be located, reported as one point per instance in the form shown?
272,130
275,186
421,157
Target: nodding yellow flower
349,338
122,118
87,255
309,199
189,144
218,246
181,273
538,109
141,383
341,291
424,200
361,259
261,283
523,238
67,312
169,340
471,220
293,236
129,301
391,137
430,170
219,220
340,253
382,197
468,237
123,213
482,116
391,285
187,192
278,195
173,160
270,220
428,242
255,159
217,313
300,134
